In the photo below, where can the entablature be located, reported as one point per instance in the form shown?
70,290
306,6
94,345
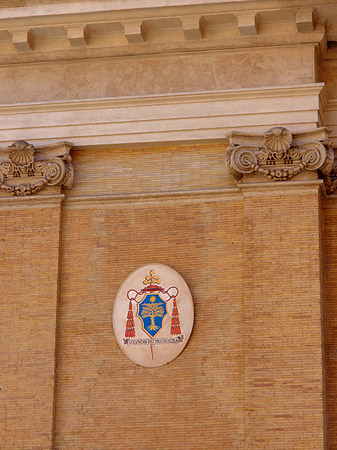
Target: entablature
98,29
160,119
190,117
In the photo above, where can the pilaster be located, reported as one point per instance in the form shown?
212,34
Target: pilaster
30,243
283,291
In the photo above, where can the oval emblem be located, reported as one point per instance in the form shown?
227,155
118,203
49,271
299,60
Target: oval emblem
153,315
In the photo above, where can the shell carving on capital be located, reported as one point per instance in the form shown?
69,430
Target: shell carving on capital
280,155
25,170
278,139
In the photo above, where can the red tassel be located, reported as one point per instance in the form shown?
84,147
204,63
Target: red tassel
130,324
175,330
175,321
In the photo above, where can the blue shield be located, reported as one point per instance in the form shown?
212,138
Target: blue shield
151,311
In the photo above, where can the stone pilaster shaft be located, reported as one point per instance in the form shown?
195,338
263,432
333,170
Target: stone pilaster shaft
283,292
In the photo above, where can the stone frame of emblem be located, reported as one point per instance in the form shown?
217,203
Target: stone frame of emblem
130,340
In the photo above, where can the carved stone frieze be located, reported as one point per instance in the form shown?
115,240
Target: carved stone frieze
280,155
25,170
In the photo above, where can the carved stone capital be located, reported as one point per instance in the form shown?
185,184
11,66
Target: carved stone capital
25,170
280,155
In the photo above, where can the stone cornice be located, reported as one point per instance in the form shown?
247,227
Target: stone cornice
162,119
116,28
167,99
153,7
279,155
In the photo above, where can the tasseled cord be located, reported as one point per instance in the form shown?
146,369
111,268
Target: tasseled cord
130,324
175,322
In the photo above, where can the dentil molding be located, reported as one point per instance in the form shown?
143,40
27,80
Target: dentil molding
280,155
25,170
116,28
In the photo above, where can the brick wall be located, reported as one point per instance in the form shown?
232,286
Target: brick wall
282,319
330,215
29,291
252,373
103,400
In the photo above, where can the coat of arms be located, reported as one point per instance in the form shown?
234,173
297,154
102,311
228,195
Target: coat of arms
151,311
153,315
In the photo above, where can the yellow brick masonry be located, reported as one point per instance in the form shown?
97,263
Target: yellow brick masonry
283,366
103,400
28,291
330,216
195,402
251,374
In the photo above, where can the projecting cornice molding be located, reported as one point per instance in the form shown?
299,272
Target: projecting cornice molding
25,170
280,155
163,119
117,28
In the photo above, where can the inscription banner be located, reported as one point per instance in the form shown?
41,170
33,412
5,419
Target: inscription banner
153,341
